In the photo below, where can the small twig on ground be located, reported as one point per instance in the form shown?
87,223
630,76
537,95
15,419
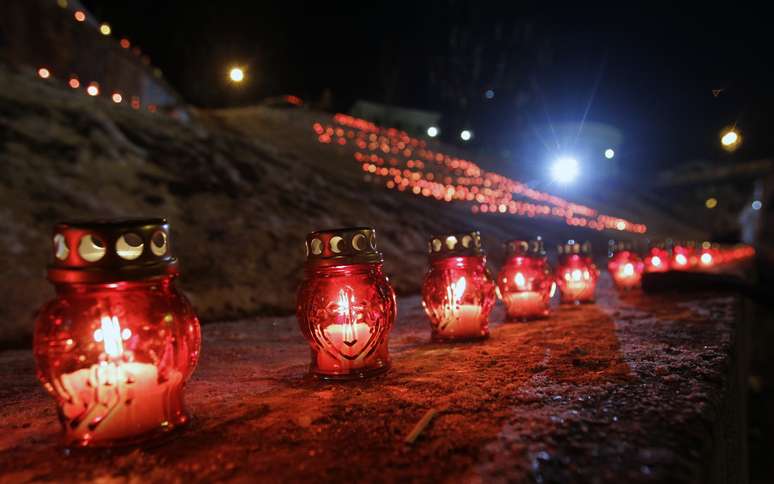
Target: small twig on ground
422,424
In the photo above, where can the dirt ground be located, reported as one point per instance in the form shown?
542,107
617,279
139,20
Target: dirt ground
631,389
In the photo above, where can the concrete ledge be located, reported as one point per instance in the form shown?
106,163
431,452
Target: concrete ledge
630,390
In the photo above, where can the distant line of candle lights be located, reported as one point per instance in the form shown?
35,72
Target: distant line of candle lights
92,88
409,165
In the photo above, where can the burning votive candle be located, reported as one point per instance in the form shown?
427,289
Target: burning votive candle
684,256
118,343
458,292
576,274
657,259
346,305
709,256
525,281
624,265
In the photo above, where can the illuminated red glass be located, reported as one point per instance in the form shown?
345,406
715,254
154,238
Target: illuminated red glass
525,281
709,256
626,269
657,260
683,257
118,343
458,292
346,306
576,274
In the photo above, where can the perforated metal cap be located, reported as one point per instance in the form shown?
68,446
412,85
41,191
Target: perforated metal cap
615,246
351,245
573,247
103,251
455,244
525,247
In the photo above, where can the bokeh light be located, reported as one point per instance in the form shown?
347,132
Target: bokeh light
565,170
236,74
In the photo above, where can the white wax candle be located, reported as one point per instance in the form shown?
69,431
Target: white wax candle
114,401
461,321
527,303
344,347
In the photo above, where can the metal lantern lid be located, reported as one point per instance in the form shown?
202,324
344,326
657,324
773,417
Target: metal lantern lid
525,247
573,247
455,244
351,245
616,246
103,251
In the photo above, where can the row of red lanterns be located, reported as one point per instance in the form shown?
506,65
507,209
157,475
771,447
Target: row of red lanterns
93,89
118,343
626,266
407,164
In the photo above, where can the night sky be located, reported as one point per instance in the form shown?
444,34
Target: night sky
648,72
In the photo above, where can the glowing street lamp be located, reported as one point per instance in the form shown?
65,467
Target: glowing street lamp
466,135
730,139
565,170
609,153
105,29
236,74
432,131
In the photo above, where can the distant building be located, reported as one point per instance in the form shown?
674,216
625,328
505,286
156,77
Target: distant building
48,34
413,121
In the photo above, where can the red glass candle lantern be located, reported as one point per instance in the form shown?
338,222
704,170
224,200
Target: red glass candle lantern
118,343
346,305
526,282
458,292
683,256
624,265
657,259
709,255
576,274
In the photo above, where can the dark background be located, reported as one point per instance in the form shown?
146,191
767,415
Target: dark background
648,71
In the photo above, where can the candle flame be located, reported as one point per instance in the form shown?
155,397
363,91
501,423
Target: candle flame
112,336
349,335
576,275
520,280
458,289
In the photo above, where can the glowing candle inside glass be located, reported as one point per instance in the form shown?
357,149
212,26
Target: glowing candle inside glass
576,275
118,343
684,256
346,305
525,281
116,398
657,260
458,293
625,268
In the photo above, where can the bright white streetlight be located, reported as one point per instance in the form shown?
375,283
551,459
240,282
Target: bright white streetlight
756,205
466,135
236,74
432,131
730,139
609,153
565,170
